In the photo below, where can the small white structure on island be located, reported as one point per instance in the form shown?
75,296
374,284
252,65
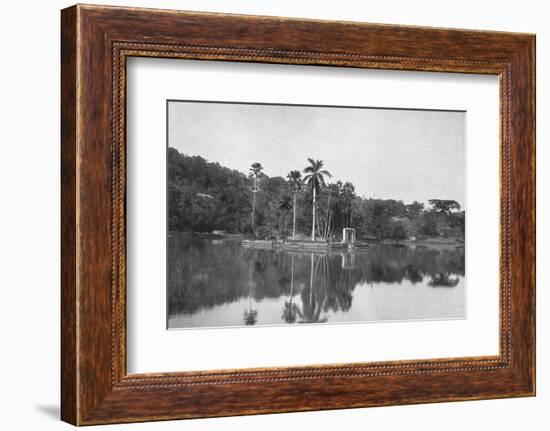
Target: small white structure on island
348,236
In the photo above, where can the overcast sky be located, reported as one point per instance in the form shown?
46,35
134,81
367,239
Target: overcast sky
399,154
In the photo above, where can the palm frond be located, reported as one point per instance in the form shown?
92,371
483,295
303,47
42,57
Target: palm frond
256,168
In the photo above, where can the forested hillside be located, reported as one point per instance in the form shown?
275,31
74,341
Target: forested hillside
205,196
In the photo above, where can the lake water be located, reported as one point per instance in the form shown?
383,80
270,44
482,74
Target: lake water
214,283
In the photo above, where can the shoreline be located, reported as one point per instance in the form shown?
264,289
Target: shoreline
426,242
432,242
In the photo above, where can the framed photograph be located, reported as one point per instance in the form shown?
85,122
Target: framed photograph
322,214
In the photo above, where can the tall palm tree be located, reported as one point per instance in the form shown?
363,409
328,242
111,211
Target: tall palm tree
315,179
285,206
255,172
294,179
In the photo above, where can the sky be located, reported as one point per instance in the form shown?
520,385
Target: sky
398,154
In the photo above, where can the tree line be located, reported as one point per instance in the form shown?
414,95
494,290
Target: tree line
205,196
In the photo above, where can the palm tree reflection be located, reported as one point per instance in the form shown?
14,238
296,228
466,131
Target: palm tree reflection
250,315
312,297
312,301
291,310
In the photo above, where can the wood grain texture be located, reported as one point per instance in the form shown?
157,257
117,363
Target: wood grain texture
96,41
68,218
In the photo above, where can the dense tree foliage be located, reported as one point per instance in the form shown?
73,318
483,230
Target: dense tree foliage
205,196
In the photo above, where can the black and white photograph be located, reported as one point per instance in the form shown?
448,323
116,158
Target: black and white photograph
300,214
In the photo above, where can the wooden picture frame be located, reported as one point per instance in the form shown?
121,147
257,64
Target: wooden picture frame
95,43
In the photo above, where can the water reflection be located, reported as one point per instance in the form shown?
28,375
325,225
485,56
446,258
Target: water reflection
222,283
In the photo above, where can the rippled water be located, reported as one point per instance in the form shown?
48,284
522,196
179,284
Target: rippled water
213,283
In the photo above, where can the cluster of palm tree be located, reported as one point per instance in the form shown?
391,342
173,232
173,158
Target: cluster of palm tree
313,179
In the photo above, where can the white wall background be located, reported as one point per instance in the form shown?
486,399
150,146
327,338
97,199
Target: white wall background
29,215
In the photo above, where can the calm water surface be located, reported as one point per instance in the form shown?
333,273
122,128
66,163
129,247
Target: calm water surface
214,283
